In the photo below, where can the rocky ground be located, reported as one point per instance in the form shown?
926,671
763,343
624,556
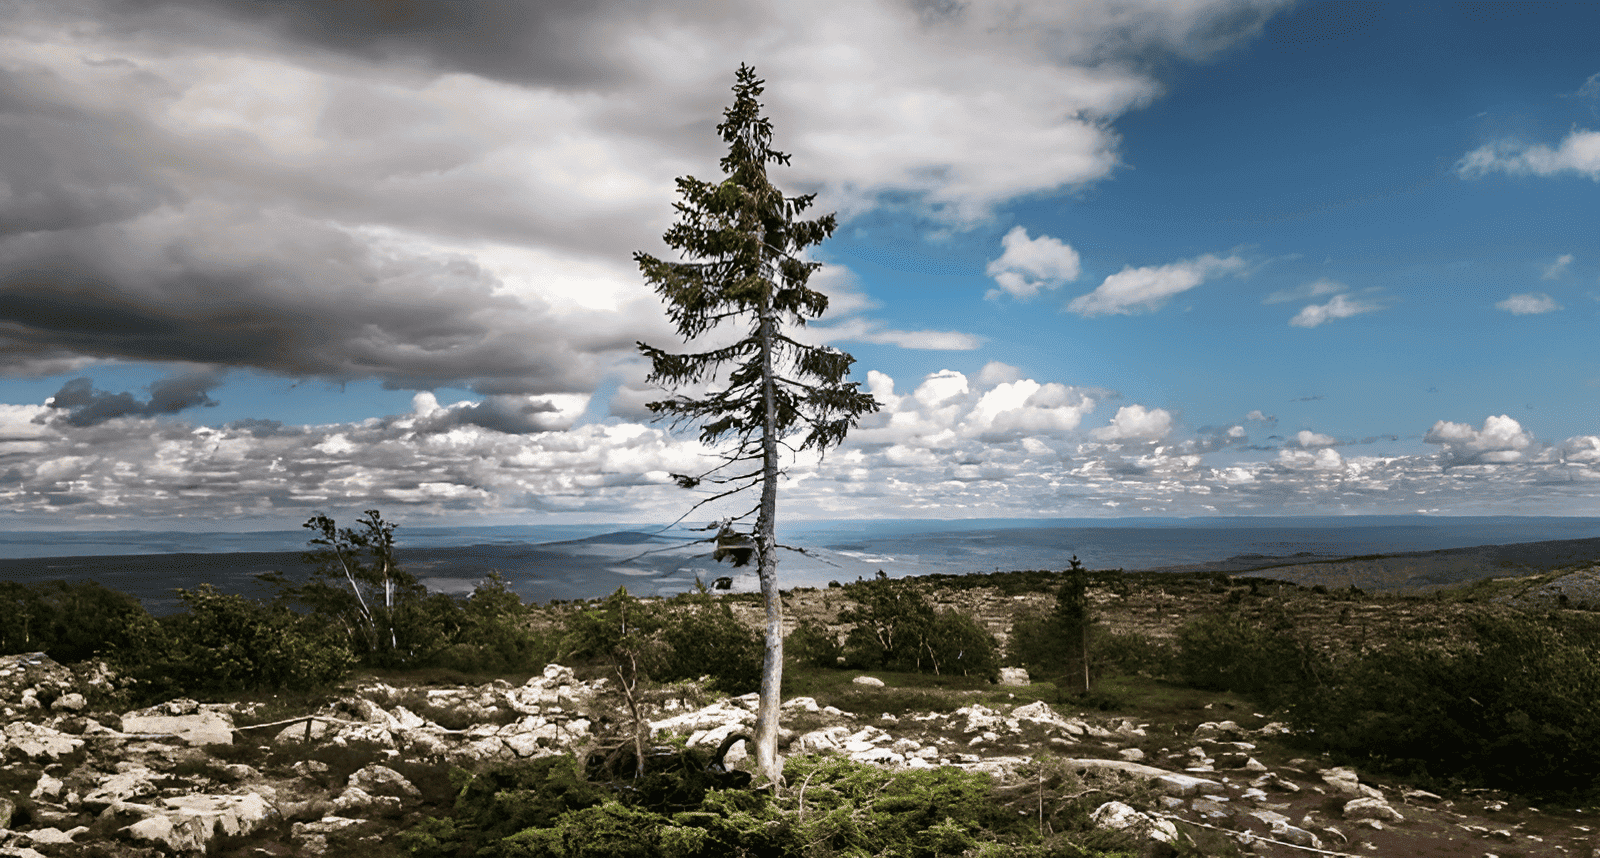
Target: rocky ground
252,779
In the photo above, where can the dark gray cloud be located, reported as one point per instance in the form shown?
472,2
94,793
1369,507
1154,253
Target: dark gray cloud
234,288
81,404
562,42
63,167
511,415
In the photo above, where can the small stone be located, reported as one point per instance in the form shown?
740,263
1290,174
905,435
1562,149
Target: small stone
73,702
1371,808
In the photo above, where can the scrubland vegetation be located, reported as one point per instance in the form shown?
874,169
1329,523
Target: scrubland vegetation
1465,693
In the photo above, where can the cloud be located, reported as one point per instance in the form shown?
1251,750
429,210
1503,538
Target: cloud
1501,440
1341,307
859,330
1579,153
449,194
1558,269
1527,304
511,415
1137,290
1314,289
1307,439
1136,423
1030,265
81,405
994,372
1258,416
1325,459
948,447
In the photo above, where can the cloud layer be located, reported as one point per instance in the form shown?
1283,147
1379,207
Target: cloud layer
947,445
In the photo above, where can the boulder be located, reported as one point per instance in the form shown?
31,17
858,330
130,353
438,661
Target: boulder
7,809
1344,781
869,681
709,717
1371,808
207,727
37,742
52,836
1218,730
1171,783
311,730
71,702
134,783
1282,828
382,780
1120,817
48,786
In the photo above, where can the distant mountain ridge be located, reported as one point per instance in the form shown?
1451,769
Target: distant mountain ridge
1410,571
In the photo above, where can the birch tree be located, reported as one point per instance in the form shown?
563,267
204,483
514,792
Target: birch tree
741,243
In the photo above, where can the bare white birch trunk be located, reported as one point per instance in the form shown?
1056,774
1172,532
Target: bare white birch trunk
767,562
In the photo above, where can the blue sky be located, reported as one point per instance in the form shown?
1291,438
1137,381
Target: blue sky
1108,258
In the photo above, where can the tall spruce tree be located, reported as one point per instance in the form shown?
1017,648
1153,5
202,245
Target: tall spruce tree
741,243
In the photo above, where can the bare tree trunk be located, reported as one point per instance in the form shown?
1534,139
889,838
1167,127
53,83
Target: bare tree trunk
767,562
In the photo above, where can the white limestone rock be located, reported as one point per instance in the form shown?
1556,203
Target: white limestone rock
37,742
1344,781
1120,817
201,727
382,780
1371,808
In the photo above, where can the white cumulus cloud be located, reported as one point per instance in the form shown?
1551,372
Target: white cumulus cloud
1308,439
1341,307
1502,439
1528,304
1579,153
1135,422
1137,290
1029,265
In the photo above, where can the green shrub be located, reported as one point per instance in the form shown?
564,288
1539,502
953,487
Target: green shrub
706,639
1225,652
813,645
1130,654
1036,644
68,621
227,642
957,645
541,809
488,632
1511,701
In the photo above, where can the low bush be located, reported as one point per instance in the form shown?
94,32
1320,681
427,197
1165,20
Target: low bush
68,621
1227,652
227,642
813,645
706,639
542,809
1508,700
895,628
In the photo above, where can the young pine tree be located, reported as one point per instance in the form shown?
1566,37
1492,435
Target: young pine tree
742,244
